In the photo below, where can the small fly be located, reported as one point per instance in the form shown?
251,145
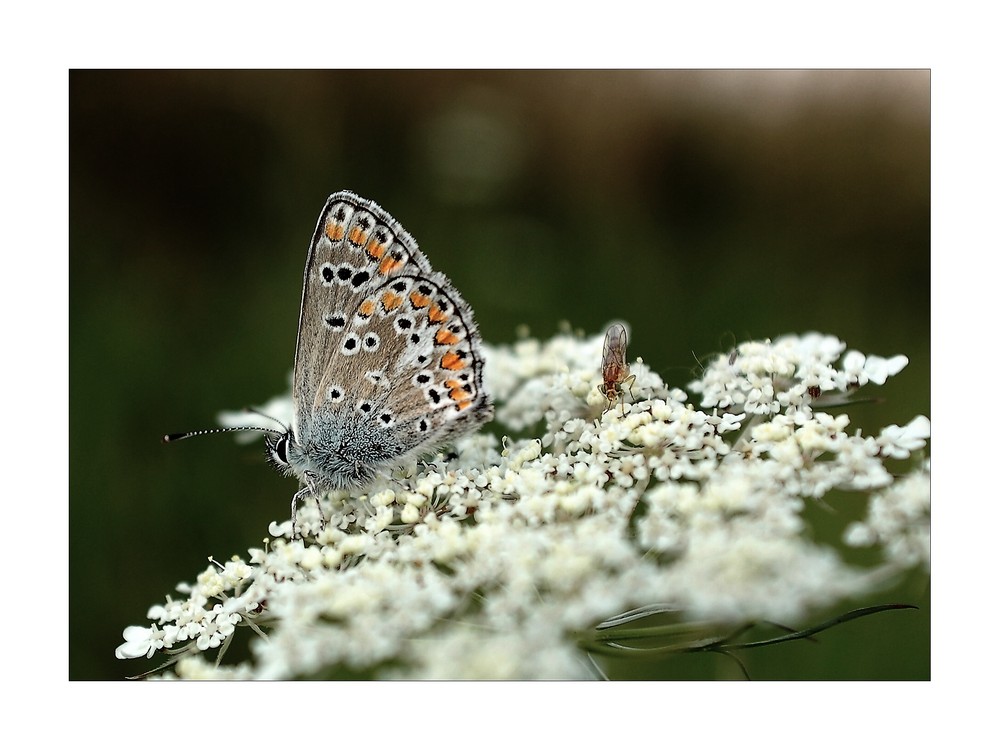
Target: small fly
614,367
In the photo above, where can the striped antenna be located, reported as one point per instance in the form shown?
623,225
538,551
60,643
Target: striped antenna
175,436
251,410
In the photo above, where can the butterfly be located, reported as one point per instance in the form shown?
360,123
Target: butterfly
388,359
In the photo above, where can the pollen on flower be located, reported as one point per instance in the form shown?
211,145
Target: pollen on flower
492,559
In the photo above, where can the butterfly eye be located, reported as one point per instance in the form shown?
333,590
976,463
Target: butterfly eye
278,450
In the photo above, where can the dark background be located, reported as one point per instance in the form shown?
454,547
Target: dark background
705,208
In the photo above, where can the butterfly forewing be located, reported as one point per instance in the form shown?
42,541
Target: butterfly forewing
355,247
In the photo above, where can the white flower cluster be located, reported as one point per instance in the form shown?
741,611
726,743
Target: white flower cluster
498,561
899,519
789,375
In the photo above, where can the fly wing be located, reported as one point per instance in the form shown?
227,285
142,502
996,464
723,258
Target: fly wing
613,365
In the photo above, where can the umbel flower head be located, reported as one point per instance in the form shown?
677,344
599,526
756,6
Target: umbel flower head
499,560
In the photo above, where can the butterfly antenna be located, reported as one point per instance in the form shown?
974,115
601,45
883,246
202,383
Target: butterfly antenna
251,410
175,436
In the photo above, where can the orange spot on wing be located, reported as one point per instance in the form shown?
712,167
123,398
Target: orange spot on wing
452,361
459,394
436,314
367,307
463,404
390,264
419,300
375,250
357,236
445,337
391,301
334,231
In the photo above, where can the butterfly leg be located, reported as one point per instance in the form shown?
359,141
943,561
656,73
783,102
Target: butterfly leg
322,515
300,495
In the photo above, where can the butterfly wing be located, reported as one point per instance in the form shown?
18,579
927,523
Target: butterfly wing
354,242
388,360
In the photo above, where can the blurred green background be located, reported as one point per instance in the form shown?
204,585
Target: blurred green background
704,207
